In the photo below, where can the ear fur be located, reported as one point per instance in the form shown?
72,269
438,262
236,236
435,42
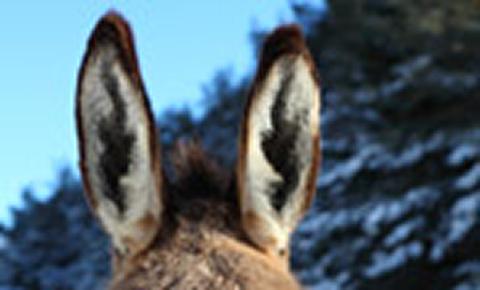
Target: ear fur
279,141
119,155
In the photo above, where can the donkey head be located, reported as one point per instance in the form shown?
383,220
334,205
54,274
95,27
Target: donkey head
198,229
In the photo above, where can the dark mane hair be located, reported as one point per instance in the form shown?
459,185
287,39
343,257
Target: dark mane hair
196,174
199,189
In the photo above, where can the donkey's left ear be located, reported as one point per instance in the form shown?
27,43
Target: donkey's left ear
119,155
279,141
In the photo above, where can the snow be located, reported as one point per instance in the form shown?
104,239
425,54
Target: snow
415,152
468,268
385,213
470,179
376,157
393,87
327,285
462,218
385,262
403,231
453,81
332,284
410,156
348,169
381,214
464,214
466,286
461,154
414,65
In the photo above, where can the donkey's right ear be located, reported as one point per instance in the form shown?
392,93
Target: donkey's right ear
279,141
119,154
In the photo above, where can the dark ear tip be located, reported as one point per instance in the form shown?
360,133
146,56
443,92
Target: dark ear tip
111,28
114,31
113,16
116,20
285,32
286,39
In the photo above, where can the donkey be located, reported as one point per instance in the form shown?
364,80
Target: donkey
198,226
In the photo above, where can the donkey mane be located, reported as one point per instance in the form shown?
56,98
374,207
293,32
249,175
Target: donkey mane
197,182
197,174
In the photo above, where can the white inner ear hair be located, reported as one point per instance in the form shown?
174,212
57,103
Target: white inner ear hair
301,108
303,97
138,184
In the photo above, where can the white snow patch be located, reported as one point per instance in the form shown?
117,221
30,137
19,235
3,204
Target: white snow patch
376,157
346,170
461,154
316,278
389,212
411,155
382,214
393,87
470,267
462,218
464,214
470,179
402,231
465,286
415,152
335,283
414,65
327,285
386,262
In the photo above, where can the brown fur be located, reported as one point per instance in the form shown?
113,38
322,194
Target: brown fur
200,243
312,177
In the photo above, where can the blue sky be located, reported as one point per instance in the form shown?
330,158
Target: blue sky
181,44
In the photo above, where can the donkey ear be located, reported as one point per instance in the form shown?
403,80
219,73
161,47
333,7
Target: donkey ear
279,141
119,155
